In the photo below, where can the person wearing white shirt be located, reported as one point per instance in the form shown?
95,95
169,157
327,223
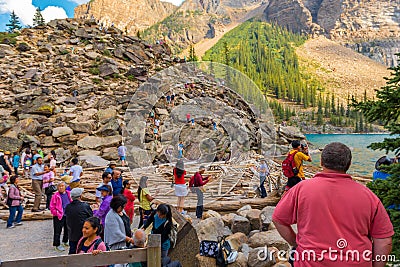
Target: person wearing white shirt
76,172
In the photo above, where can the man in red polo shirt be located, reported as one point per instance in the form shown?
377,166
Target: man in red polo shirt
340,222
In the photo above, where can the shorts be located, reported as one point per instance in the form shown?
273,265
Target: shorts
181,190
122,158
73,185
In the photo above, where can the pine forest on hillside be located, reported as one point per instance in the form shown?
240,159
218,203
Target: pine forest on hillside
266,53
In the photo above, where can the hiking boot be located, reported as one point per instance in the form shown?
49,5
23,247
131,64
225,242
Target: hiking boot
60,248
18,224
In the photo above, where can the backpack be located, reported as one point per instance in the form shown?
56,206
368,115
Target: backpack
97,243
9,200
223,252
173,235
289,167
191,184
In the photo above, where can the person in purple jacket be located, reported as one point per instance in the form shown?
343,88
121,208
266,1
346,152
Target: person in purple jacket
15,197
106,194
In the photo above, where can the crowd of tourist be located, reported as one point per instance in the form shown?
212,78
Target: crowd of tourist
107,224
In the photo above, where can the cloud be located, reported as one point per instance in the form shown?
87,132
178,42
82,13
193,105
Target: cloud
80,2
175,2
53,12
25,10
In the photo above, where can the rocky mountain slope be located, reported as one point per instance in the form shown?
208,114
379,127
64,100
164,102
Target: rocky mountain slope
67,87
128,16
196,21
370,27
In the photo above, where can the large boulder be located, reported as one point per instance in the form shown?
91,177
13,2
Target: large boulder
227,218
62,155
108,69
10,144
24,127
204,261
82,126
89,153
266,218
93,161
210,229
237,240
93,142
290,132
41,105
243,210
110,153
270,239
211,213
62,131
240,224
253,216
241,261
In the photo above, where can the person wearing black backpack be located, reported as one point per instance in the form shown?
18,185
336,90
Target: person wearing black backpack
162,224
294,160
91,241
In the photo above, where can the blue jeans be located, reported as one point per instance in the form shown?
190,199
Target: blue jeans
262,187
11,218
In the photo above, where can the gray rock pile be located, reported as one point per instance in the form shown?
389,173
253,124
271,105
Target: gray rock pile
250,235
66,85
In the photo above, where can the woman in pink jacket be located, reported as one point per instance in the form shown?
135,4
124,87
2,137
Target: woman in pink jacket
58,202
15,198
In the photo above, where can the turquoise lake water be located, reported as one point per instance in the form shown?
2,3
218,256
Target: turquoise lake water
363,158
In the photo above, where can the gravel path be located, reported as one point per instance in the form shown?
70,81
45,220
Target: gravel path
32,239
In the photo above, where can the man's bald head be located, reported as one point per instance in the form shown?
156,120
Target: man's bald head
139,238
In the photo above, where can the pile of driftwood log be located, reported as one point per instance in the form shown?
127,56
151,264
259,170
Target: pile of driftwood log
232,185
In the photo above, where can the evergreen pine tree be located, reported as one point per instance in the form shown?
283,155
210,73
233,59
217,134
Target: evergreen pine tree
38,19
192,54
13,24
386,108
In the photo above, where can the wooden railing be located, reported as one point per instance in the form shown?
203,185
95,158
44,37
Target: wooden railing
151,254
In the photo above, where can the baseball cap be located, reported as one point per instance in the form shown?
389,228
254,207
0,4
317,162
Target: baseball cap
76,193
103,188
